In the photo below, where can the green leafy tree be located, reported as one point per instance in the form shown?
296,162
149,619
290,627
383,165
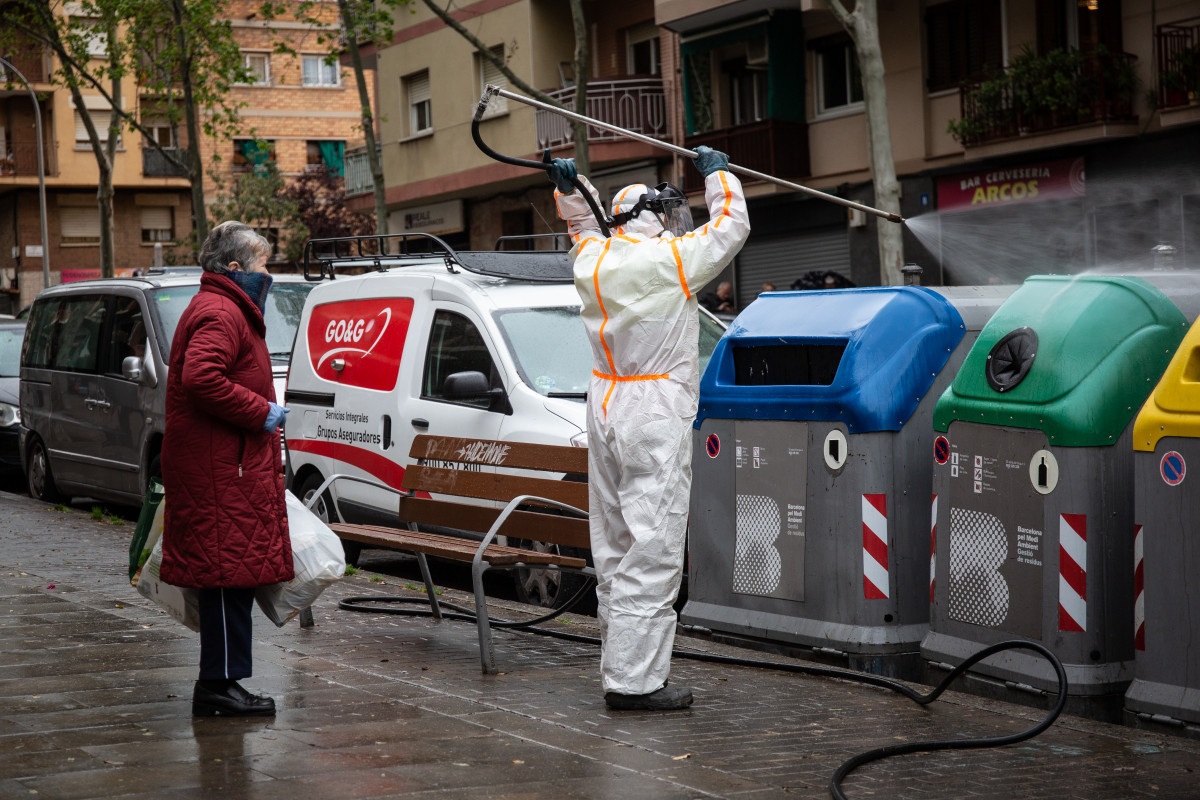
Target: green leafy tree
257,197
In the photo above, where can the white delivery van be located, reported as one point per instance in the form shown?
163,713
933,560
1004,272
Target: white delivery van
485,344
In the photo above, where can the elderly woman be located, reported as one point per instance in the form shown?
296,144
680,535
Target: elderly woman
225,531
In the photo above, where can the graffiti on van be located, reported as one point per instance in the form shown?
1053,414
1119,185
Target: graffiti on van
359,342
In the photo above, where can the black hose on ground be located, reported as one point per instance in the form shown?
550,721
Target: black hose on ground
848,766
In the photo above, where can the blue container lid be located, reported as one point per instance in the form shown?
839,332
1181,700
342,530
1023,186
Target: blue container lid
864,357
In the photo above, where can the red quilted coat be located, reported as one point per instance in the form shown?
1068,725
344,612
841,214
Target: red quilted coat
226,522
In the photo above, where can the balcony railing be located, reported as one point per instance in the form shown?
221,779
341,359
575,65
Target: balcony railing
157,165
358,172
635,104
773,146
1179,63
1044,93
21,161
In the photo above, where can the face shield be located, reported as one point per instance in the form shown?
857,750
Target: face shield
655,212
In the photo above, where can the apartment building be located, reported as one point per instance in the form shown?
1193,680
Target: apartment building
1029,135
298,112
430,80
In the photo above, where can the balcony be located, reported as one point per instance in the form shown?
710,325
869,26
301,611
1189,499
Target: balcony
157,165
635,104
773,147
358,172
30,62
21,161
1039,94
1178,63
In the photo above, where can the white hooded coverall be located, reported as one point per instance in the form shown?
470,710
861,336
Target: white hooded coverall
639,309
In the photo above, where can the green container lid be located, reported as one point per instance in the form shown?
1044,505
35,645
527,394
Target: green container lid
1073,356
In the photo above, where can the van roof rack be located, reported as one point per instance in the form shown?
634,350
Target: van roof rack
322,257
562,241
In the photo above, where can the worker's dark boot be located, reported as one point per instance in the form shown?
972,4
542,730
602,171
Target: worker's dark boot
665,699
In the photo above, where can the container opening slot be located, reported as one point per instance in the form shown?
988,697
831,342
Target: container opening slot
787,364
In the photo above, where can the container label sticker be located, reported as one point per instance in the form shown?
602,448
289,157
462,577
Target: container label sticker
770,476
1172,468
712,445
996,539
941,449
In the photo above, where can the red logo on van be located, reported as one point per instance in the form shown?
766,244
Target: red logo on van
365,337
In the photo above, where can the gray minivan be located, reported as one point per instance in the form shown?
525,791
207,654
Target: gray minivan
93,379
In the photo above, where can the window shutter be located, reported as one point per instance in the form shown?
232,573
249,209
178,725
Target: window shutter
492,74
79,224
156,218
418,88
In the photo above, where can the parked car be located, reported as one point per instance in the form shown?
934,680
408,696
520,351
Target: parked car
93,379
476,344
12,333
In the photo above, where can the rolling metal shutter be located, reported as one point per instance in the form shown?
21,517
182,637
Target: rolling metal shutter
782,259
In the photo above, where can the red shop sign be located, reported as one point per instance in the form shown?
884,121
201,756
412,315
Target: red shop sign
1004,186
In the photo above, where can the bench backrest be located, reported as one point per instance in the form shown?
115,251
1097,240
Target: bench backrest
453,468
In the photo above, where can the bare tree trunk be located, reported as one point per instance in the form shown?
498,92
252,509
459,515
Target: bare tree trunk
368,123
579,130
863,27
192,120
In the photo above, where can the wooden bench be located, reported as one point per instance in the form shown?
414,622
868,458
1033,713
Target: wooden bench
536,509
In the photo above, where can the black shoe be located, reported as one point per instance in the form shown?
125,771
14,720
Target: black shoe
665,699
232,701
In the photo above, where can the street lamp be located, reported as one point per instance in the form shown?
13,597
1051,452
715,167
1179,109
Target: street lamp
37,122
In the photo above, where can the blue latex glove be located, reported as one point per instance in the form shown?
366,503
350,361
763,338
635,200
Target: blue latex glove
561,171
276,417
709,161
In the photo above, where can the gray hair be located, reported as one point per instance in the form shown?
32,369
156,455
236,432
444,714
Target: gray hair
231,241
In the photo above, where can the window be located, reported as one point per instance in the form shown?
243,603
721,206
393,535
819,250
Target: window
641,50
325,156
490,73
96,36
455,345
80,225
747,92
258,67
316,72
101,113
75,335
839,82
161,132
158,224
964,41
420,109
250,155
128,337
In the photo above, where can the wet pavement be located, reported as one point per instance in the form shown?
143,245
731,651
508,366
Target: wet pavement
95,688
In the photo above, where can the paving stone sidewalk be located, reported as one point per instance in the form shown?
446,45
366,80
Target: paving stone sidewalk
95,687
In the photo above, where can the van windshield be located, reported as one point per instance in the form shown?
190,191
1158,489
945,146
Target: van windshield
552,352
284,306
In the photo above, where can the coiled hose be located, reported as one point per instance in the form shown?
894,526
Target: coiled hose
365,604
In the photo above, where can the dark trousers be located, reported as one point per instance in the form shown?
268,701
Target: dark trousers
225,634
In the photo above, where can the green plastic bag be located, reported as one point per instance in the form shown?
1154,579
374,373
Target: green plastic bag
139,548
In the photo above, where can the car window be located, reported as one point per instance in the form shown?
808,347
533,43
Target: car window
285,304
74,333
550,347
455,345
128,336
167,306
10,351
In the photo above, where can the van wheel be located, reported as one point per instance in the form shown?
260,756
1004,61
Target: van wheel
37,470
308,487
551,588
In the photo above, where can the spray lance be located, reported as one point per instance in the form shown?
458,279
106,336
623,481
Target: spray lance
491,91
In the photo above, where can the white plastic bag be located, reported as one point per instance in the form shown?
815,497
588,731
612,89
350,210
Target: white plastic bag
319,561
182,604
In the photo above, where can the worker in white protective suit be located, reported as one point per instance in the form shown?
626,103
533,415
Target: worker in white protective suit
640,311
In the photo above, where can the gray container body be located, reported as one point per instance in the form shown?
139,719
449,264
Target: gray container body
1167,538
789,551
1009,505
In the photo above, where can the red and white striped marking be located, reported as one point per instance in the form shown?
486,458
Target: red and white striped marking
932,548
875,546
1072,572
1139,602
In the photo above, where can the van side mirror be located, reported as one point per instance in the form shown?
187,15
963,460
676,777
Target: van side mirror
473,385
139,371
